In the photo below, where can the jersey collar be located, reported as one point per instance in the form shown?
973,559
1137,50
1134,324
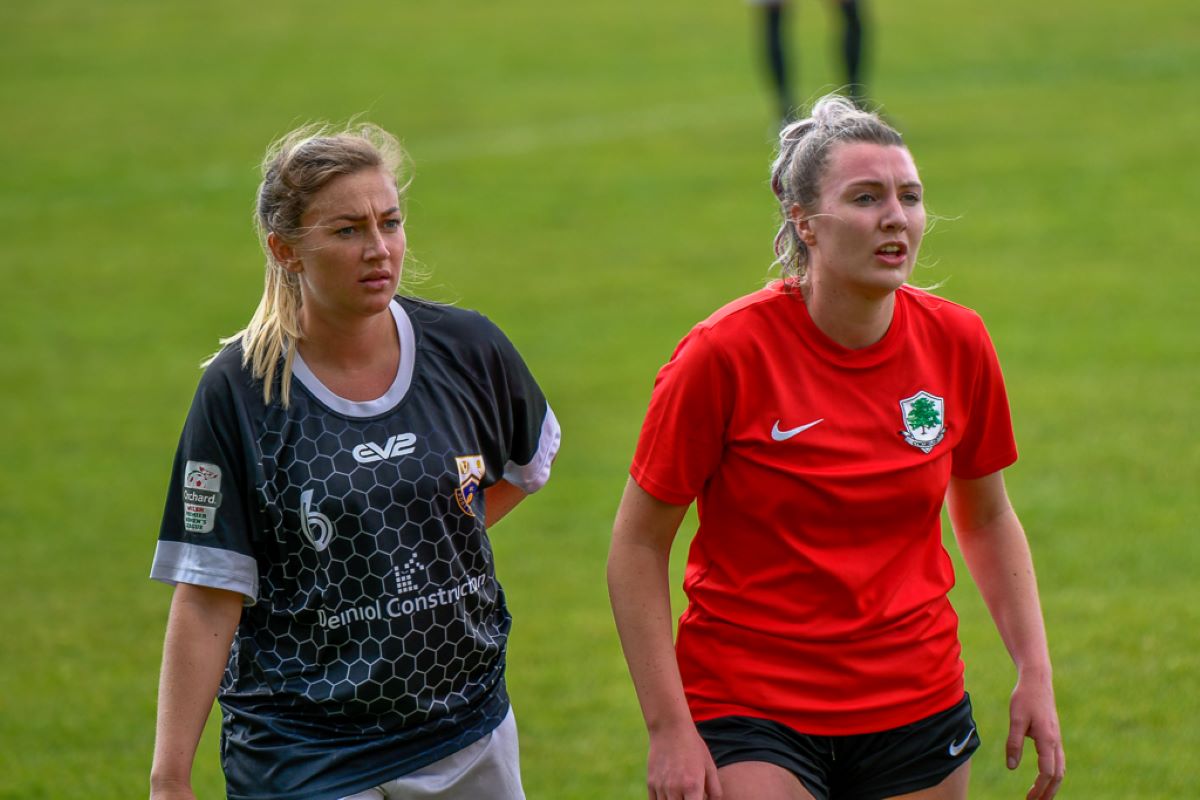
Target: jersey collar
385,402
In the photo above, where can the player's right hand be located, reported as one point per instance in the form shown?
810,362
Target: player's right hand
680,766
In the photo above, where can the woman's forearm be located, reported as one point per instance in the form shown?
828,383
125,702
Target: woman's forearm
639,589
998,557
199,634
994,546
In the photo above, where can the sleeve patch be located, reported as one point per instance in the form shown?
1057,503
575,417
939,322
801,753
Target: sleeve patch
201,496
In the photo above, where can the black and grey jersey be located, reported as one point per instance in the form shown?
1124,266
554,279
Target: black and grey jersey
373,638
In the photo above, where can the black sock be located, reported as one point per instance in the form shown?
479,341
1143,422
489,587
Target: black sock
776,57
852,47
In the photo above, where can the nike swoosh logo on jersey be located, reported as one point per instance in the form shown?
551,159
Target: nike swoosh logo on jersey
957,747
783,436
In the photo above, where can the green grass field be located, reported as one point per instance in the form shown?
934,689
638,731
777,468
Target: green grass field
594,177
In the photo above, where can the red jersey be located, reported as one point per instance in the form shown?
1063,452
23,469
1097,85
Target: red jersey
817,580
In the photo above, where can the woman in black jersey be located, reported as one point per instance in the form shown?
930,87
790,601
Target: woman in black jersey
326,523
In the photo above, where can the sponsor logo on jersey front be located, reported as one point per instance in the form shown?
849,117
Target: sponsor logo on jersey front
412,595
470,473
405,576
201,496
399,445
316,526
924,416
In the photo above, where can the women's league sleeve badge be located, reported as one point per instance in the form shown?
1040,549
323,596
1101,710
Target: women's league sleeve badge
470,473
201,496
924,416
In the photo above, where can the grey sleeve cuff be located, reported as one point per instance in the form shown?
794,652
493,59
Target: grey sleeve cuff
179,562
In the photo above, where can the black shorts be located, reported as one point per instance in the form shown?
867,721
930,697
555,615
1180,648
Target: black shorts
868,766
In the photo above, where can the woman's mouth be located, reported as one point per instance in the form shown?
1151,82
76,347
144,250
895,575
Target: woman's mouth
377,280
893,254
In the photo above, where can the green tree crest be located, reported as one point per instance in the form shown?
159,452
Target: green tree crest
923,415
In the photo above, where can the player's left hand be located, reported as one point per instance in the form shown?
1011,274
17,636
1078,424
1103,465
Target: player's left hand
1033,714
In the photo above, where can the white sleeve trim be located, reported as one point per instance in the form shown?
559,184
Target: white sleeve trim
533,476
179,562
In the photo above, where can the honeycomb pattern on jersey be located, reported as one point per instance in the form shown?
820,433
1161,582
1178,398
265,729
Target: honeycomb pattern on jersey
399,618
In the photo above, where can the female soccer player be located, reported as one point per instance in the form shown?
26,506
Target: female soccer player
326,526
818,424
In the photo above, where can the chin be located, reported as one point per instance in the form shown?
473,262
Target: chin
377,304
885,286
895,279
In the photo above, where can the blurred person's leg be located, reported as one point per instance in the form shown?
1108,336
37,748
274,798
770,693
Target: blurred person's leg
852,48
774,19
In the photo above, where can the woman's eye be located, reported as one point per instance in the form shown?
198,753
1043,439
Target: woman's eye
912,198
864,199
345,233
392,224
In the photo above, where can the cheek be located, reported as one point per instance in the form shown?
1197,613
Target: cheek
916,222
324,259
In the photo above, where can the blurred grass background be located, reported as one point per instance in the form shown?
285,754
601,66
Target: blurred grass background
594,178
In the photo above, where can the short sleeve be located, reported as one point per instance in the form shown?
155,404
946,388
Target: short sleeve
987,444
206,531
683,435
530,430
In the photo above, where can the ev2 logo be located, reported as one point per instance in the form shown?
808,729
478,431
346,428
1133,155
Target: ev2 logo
399,445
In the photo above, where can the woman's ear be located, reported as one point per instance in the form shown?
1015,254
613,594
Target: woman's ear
803,227
284,253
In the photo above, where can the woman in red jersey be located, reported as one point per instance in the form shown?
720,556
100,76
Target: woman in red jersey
819,424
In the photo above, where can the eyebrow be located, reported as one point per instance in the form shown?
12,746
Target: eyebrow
362,217
873,182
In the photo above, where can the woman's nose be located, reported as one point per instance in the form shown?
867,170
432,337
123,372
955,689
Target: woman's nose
376,247
893,218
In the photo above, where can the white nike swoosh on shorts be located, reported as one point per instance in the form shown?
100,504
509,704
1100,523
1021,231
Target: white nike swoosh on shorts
958,747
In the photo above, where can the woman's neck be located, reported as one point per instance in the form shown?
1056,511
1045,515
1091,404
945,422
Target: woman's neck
852,320
356,359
